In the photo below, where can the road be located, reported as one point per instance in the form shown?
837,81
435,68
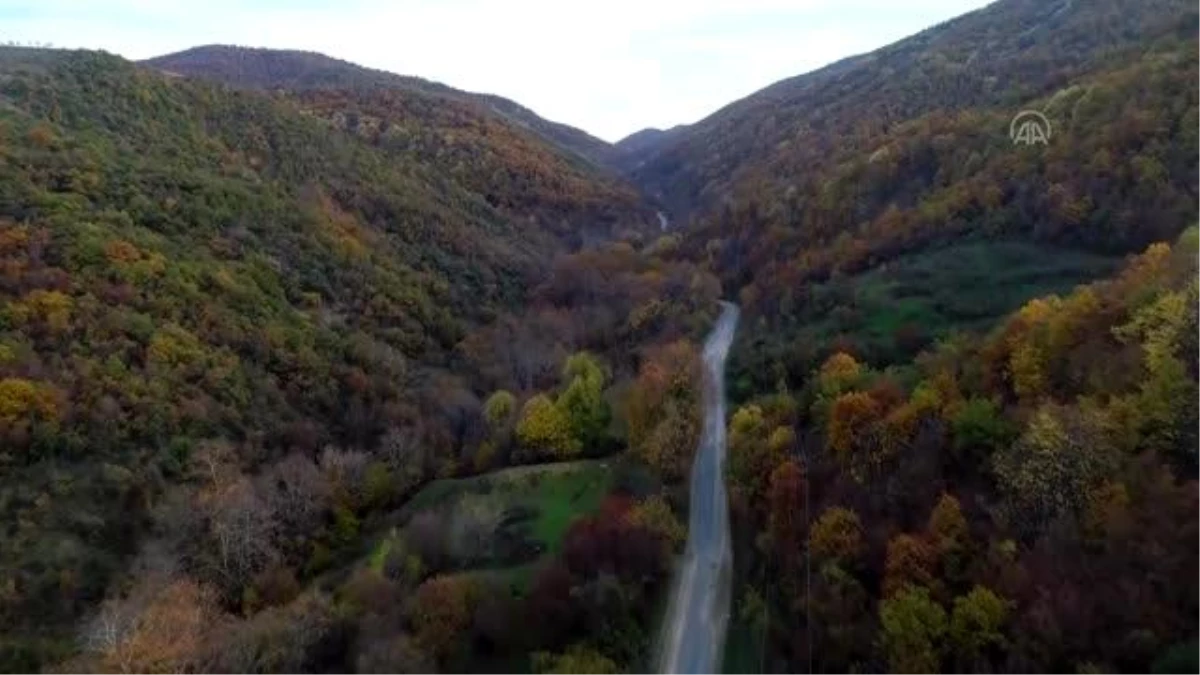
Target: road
694,629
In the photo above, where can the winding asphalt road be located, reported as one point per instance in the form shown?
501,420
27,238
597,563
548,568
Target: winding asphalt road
694,631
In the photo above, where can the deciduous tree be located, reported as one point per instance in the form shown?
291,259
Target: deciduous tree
913,627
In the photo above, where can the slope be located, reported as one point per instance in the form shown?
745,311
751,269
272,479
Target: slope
514,170
906,150
189,270
1000,56
299,70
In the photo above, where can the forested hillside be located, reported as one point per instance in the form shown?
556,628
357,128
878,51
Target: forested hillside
880,201
954,453
306,367
994,59
204,288
291,70
513,169
1019,501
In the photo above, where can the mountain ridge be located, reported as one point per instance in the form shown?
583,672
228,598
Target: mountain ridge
969,50
262,68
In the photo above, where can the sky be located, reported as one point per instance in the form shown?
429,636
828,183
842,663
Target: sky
610,67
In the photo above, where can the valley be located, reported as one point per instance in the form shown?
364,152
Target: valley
306,366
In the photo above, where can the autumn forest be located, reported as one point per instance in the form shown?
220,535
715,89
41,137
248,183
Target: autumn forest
307,367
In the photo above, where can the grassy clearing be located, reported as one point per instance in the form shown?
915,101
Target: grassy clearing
891,313
507,519
967,286
380,553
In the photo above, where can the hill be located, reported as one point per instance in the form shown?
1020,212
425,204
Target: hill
997,58
276,332
636,148
514,170
256,68
900,152
192,271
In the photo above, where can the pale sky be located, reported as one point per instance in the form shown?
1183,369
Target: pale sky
610,67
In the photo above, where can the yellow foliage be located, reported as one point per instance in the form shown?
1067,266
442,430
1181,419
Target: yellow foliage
13,238
947,526
747,420
838,372
499,408
782,440
656,515
172,345
52,308
1027,367
22,399
544,427
837,535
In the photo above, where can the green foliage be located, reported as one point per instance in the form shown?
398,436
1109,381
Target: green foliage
875,175
1181,658
977,624
542,500
582,403
345,526
183,263
378,485
951,536
912,627
578,658
979,429
327,81
1040,427
499,408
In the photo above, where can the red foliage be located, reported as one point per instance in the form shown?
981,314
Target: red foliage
610,542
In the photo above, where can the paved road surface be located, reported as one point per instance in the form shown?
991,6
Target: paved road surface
694,631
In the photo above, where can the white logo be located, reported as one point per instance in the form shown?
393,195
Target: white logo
1029,127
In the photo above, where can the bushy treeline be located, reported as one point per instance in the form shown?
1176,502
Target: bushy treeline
1021,500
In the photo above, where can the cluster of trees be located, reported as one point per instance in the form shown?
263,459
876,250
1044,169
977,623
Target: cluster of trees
1024,500
300,73
188,270
1119,174
774,143
589,608
515,171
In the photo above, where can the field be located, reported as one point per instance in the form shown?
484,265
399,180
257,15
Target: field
500,523
962,287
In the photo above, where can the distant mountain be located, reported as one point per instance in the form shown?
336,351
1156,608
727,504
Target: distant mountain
300,70
905,148
1010,52
512,168
636,148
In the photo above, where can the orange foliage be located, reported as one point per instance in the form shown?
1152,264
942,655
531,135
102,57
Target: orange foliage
442,611
787,509
167,636
910,562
